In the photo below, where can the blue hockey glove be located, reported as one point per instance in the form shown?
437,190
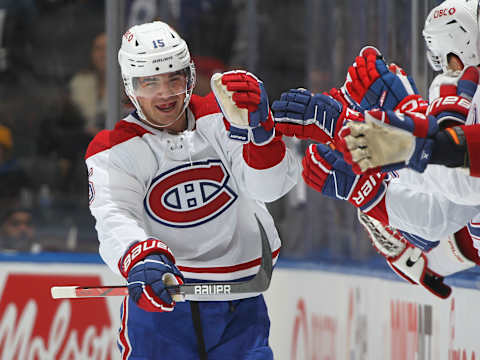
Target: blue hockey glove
149,266
301,114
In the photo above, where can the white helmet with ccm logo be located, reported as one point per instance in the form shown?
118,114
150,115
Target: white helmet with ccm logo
452,27
151,49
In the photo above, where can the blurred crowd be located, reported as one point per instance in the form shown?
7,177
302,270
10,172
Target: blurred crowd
53,89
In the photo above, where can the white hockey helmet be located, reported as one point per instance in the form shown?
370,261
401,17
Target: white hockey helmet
452,28
151,49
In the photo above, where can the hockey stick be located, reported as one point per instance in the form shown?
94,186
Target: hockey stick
209,290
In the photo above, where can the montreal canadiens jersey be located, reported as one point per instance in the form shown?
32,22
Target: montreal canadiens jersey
440,201
416,202
194,191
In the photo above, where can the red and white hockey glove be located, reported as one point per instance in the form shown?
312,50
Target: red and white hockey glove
452,107
372,84
408,261
325,170
149,266
304,115
244,103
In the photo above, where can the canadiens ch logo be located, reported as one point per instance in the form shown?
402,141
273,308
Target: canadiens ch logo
190,195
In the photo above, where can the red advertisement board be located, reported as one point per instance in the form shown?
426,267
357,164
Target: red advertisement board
35,326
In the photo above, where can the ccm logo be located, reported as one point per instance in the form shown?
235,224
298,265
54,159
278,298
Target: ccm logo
444,12
128,35
211,289
366,189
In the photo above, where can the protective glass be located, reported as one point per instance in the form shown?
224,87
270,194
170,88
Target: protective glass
168,84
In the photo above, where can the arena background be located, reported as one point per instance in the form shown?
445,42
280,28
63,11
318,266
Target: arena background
60,84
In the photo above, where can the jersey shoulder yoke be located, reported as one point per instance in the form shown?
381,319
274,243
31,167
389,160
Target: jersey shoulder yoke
106,139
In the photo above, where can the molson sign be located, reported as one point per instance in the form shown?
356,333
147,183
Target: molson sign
33,326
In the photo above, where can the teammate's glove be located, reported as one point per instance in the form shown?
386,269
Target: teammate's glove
389,140
301,114
149,266
455,100
244,103
325,170
371,84
317,117
413,140
408,261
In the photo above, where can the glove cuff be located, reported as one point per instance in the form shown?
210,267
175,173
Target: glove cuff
139,251
414,103
449,104
421,154
264,156
352,103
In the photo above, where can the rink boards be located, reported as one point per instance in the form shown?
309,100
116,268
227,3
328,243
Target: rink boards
319,312
323,314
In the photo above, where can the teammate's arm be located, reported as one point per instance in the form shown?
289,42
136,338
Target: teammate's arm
458,147
428,215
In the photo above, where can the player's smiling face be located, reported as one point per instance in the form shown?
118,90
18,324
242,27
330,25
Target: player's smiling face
162,98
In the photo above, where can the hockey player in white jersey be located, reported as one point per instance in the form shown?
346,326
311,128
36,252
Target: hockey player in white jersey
452,38
175,188
408,202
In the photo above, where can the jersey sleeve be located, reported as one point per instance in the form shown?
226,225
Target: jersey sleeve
118,182
455,184
264,173
430,215
472,137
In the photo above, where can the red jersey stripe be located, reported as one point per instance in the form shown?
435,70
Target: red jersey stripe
227,269
123,335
